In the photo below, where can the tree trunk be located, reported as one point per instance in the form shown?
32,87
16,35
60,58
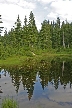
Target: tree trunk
63,67
68,45
63,40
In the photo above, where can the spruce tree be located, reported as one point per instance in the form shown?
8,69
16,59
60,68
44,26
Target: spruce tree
25,33
1,28
45,35
18,32
56,34
1,44
25,21
32,31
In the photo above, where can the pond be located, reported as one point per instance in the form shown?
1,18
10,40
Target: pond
47,84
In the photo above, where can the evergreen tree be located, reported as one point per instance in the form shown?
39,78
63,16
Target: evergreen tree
70,38
63,34
25,21
18,23
25,33
56,34
51,30
45,36
32,31
1,44
19,39
5,33
1,28
66,34
18,32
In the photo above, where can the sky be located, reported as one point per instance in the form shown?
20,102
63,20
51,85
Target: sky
42,9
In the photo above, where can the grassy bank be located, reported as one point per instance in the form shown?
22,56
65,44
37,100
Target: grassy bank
35,55
19,60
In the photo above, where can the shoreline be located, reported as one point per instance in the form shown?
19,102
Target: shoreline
19,60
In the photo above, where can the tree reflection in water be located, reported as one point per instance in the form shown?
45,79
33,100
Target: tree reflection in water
56,72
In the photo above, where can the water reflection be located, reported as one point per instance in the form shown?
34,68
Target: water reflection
56,72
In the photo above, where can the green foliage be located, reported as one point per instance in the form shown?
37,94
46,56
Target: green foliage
32,31
26,40
45,35
28,53
1,26
9,103
64,51
55,29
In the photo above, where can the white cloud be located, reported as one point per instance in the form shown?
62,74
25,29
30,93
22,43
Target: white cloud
52,15
25,4
46,1
10,10
38,23
61,8
45,8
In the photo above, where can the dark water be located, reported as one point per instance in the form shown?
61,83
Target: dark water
47,84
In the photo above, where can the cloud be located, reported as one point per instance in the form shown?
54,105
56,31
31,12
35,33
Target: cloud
42,9
38,23
46,8
10,10
46,1
62,9
52,16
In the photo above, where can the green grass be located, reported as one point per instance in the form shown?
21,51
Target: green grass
41,54
9,103
13,60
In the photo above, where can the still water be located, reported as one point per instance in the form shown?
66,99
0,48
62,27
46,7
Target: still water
47,84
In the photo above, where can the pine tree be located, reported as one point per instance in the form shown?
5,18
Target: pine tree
1,28
56,34
18,32
51,30
45,35
25,33
70,38
5,33
25,21
18,23
1,44
66,34
63,34
32,31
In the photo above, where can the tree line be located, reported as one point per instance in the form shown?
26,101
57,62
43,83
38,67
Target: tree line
52,35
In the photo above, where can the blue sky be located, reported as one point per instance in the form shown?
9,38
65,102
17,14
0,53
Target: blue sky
42,9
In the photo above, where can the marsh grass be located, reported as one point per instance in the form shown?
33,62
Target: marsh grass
39,54
9,103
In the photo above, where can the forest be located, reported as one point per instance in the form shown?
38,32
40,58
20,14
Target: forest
27,40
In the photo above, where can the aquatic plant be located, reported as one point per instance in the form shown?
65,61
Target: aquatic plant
9,103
